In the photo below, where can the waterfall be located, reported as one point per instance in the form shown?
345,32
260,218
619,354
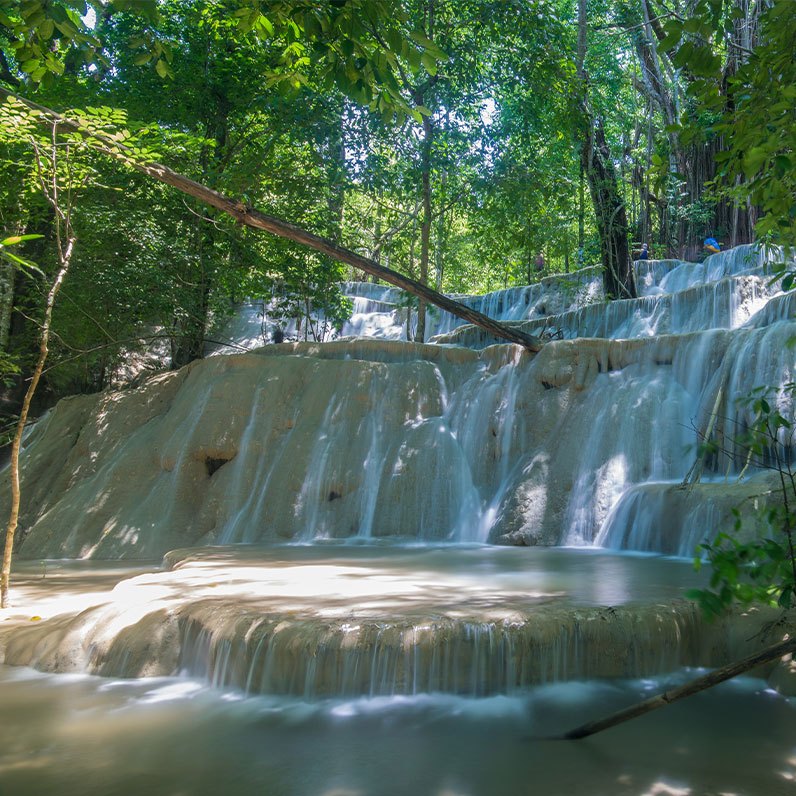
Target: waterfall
367,544
314,622
368,439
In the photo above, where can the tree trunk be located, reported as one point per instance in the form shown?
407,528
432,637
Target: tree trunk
188,338
65,257
411,265
693,687
595,159
336,171
609,209
425,226
191,315
419,97
528,251
581,214
7,273
375,252
442,236
254,218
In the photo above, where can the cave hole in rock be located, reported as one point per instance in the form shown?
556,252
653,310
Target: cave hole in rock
215,463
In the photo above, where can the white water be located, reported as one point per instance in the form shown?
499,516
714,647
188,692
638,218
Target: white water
644,418
78,735
366,439
412,667
675,297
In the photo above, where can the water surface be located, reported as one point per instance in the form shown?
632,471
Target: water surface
85,736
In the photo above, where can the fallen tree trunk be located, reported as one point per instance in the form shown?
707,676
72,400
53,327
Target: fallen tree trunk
693,687
252,217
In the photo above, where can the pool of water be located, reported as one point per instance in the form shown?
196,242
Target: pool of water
378,580
428,576
87,736
80,735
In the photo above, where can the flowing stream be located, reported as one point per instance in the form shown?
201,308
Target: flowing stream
87,736
74,733
374,567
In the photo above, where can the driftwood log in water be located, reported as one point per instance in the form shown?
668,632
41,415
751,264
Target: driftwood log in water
252,217
693,687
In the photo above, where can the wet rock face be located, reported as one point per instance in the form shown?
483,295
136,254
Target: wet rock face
370,439
244,448
373,440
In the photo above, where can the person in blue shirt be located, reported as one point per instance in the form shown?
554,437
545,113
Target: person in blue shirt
645,252
712,245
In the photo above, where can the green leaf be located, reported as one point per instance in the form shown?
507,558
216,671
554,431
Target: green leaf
144,8
414,58
265,25
46,28
753,161
67,27
395,40
429,62
15,239
20,263
79,5
420,38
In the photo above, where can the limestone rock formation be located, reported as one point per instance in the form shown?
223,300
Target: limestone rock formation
379,438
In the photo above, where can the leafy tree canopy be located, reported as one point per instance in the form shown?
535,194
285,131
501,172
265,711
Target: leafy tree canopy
356,45
749,99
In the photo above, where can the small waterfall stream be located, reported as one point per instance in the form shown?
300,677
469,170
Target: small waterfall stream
331,512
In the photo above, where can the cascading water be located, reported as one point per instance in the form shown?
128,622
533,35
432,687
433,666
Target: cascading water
371,457
366,439
375,439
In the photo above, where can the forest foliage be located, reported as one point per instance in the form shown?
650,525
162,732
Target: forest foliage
442,138
755,561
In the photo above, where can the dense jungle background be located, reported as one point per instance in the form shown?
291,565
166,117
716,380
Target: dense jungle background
470,144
